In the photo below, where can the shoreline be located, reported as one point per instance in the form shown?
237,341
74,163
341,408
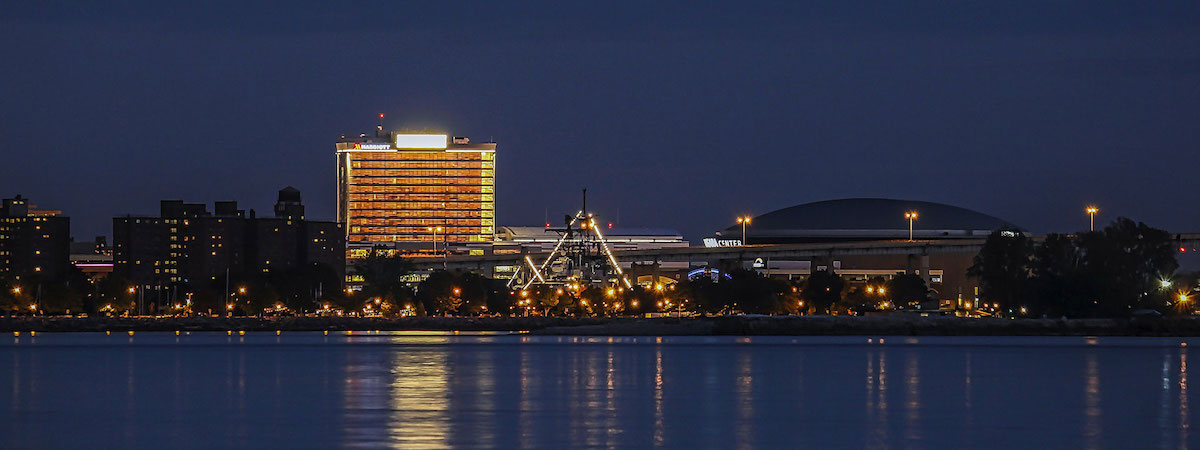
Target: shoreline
627,326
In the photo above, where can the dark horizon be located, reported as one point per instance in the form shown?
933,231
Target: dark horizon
675,115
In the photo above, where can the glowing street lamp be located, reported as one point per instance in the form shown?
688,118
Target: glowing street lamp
17,290
911,216
1091,211
743,220
435,231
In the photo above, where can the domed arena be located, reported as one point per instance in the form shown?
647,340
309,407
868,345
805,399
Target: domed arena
865,219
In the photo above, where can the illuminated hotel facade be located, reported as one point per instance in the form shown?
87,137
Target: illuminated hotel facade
418,193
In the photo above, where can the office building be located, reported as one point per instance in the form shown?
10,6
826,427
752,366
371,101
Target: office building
415,192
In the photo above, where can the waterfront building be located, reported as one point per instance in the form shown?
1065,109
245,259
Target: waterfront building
513,239
186,244
416,193
34,243
867,220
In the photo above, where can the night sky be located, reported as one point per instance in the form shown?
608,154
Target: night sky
678,115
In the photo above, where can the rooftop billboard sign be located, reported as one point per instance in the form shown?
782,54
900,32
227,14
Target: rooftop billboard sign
421,141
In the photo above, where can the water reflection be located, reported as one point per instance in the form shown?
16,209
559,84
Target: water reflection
912,404
876,394
1091,410
659,429
1184,417
418,391
430,391
744,388
528,397
968,395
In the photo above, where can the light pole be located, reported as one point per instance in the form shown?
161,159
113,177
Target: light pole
743,220
435,231
1091,211
911,216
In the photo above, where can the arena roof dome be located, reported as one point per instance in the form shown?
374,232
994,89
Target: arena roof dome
856,219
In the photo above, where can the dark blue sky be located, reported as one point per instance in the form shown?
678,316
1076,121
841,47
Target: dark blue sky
679,114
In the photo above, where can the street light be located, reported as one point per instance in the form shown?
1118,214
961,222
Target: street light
435,231
743,220
17,290
1091,211
911,216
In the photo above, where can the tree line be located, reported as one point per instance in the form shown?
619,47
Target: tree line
295,289
1126,267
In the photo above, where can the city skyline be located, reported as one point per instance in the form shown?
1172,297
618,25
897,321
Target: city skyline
978,106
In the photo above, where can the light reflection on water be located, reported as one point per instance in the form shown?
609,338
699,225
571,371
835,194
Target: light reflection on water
426,390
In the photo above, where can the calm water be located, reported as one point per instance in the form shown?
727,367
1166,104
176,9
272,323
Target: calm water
308,390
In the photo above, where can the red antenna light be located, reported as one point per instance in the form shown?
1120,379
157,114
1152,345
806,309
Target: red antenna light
610,225
547,224
380,115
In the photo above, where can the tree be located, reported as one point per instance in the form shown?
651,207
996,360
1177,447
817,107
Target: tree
1002,267
1107,273
299,287
442,293
1126,261
752,292
867,297
473,290
115,295
1057,278
383,276
821,290
908,289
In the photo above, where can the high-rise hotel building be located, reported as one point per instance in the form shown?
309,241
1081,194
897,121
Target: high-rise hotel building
417,192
